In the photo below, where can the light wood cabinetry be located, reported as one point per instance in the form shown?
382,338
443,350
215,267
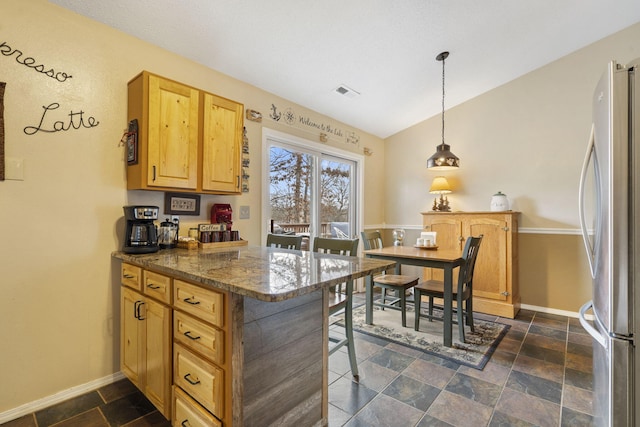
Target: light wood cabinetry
176,341
228,359
495,280
188,140
221,144
201,355
146,338
187,412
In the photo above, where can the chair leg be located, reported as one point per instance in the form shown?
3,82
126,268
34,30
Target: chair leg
430,309
348,324
469,310
383,298
403,307
417,297
461,320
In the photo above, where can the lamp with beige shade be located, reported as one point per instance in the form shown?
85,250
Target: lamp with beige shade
440,185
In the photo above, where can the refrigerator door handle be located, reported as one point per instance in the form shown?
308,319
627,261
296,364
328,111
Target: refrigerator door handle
587,326
583,226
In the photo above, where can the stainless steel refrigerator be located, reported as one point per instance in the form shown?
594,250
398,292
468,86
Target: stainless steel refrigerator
609,199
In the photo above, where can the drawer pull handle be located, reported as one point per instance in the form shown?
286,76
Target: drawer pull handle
191,301
152,286
185,423
188,335
190,381
128,276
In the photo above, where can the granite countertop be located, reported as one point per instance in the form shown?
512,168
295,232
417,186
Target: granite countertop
267,274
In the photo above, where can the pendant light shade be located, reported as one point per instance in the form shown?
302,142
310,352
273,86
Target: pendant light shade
443,158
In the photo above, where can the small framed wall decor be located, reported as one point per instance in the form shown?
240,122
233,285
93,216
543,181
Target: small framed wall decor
132,142
181,204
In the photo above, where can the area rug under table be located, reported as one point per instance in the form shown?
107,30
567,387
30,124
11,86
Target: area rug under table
475,353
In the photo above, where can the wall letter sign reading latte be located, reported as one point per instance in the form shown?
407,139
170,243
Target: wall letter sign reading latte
76,121
30,62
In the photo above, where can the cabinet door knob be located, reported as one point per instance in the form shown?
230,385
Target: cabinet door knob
185,423
128,276
152,286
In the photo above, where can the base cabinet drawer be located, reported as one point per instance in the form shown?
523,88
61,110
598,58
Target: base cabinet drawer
203,381
188,413
207,305
157,286
131,276
198,336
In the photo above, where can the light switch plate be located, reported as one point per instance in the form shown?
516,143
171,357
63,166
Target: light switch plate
14,169
245,212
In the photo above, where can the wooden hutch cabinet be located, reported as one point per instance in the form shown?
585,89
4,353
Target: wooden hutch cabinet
188,140
495,280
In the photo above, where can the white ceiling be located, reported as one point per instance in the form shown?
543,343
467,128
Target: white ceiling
303,50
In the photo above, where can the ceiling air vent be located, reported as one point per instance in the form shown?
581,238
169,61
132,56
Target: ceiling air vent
346,91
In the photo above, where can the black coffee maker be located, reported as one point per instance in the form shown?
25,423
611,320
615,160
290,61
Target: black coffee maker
141,236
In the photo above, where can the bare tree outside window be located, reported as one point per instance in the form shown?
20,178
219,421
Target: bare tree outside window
291,186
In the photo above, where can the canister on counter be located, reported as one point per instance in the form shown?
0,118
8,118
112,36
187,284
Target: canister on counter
205,236
193,233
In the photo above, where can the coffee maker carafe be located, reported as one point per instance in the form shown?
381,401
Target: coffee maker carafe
141,236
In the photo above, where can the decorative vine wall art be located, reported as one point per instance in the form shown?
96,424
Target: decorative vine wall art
30,62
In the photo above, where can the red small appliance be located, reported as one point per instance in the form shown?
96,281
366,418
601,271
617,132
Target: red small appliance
222,214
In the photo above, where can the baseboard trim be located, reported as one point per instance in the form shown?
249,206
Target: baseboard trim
61,396
554,311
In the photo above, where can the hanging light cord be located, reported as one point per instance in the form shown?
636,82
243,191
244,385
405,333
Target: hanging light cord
443,59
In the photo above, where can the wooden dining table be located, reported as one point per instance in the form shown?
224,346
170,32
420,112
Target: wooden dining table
446,260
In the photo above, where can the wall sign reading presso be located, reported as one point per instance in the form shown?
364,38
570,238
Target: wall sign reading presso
30,62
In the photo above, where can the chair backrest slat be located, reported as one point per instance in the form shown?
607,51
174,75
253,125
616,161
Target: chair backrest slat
371,240
470,254
347,247
285,241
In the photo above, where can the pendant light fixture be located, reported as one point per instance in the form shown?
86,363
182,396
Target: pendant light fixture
443,159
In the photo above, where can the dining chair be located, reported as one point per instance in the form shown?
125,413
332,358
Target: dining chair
286,241
339,301
463,292
399,283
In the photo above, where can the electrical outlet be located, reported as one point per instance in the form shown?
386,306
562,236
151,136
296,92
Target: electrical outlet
14,169
245,212
175,219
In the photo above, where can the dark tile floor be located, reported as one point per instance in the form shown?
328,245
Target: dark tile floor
540,375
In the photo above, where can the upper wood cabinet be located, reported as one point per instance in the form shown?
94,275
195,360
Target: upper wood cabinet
221,144
188,140
495,279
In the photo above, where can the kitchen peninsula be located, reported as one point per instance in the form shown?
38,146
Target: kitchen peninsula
235,336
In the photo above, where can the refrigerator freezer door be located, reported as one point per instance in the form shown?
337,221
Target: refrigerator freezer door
613,397
612,299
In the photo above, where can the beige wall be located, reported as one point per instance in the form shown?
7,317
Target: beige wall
527,139
59,311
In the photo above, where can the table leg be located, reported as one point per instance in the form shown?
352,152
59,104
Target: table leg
448,310
369,299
